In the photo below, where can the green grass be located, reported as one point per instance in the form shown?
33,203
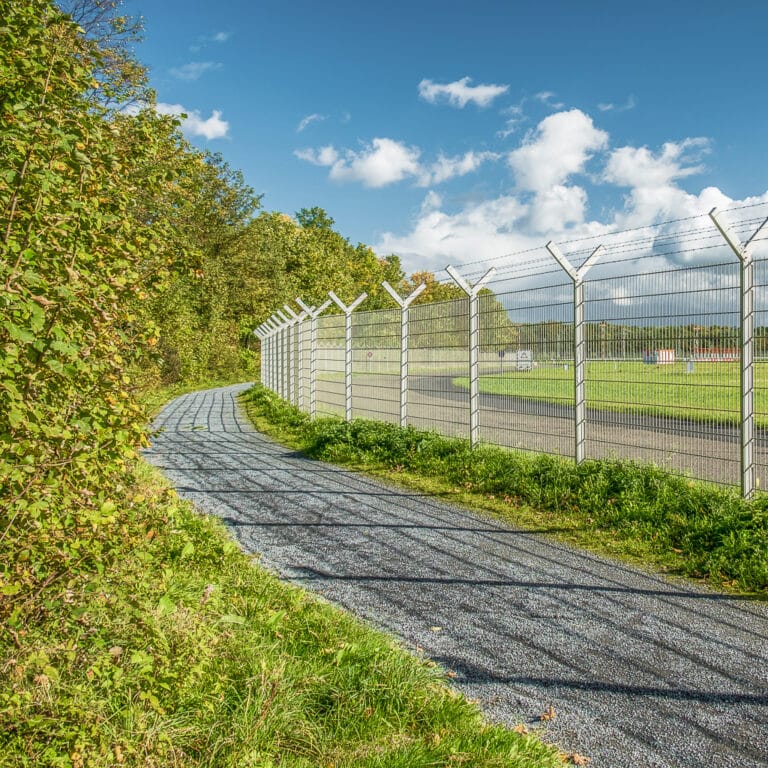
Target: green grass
710,393
176,649
639,512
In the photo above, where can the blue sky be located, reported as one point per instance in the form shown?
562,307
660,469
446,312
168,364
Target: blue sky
446,130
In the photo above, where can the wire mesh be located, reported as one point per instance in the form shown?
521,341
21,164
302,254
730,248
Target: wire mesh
526,364
439,358
376,365
663,368
330,365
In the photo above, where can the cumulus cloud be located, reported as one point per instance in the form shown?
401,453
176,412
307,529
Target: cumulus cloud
445,168
460,93
194,70
220,37
325,156
652,176
640,167
558,148
194,124
546,204
439,238
386,161
382,162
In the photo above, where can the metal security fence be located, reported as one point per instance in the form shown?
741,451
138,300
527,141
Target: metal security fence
648,344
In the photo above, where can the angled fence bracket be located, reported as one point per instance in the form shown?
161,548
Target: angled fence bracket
283,385
403,303
294,382
743,252
579,347
274,339
347,310
313,313
474,346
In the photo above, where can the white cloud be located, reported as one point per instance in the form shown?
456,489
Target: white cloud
608,107
308,120
194,124
639,167
546,206
557,208
445,168
438,238
559,148
515,118
325,156
386,161
432,202
460,93
220,37
547,98
194,70
651,179
383,162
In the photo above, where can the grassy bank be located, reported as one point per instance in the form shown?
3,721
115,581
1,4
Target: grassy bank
639,512
176,649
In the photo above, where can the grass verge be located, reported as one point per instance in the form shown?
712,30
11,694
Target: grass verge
177,649
638,512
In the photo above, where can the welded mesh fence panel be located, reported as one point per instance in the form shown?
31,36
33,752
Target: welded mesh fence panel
439,358
330,365
662,378
526,368
376,365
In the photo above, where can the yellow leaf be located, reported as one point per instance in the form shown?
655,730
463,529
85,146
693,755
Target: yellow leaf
550,714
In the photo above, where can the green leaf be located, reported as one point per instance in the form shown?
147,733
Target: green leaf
232,618
166,605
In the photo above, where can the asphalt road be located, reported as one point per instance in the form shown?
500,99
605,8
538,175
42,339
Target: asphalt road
640,671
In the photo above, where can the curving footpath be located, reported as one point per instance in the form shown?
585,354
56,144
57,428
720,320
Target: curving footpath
639,671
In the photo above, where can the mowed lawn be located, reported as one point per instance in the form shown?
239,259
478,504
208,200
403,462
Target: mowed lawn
709,393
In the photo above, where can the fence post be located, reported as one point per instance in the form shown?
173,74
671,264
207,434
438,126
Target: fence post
747,307
294,375
579,399
403,304
274,329
283,353
261,334
474,344
313,314
347,310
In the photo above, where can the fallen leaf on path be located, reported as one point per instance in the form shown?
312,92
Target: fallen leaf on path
521,728
578,759
550,714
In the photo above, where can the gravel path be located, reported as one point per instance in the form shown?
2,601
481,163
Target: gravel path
640,671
